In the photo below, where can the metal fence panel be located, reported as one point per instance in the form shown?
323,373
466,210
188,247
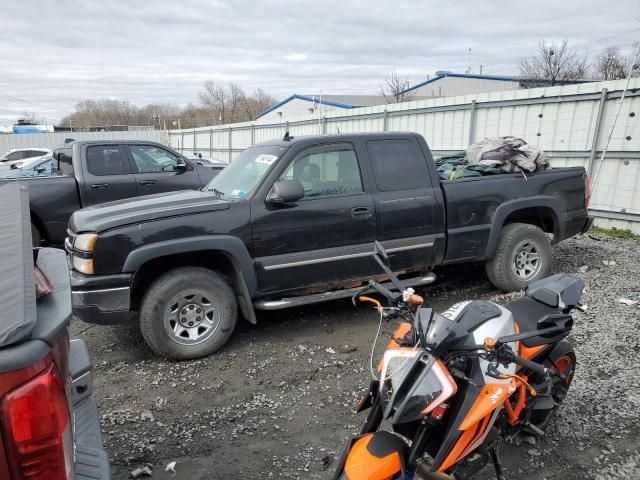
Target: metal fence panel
53,140
561,120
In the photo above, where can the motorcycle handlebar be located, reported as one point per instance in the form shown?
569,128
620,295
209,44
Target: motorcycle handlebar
528,364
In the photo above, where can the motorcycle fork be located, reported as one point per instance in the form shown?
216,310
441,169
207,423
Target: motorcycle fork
417,448
374,418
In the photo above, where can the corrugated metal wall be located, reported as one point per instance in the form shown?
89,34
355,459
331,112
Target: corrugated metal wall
561,120
55,139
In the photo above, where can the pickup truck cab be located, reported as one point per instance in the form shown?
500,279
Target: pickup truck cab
293,221
49,419
87,173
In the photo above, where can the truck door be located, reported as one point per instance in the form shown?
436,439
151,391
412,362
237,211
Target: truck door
156,170
406,203
107,175
327,236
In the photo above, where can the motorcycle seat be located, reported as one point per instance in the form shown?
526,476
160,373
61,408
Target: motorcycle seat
527,312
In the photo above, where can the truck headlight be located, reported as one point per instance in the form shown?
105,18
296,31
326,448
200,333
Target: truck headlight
82,252
85,242
83,265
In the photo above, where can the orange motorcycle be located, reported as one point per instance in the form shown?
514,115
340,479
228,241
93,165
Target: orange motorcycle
450,387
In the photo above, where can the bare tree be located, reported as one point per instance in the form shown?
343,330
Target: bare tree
611,64
237,100
256,104
395,87
218,105
554,62
263,100
216,98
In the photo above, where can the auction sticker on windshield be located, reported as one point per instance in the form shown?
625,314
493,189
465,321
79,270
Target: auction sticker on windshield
264,158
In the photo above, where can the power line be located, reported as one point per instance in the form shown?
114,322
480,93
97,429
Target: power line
31,103
606,38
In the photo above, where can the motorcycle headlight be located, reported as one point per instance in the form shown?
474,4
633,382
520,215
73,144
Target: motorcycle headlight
85,241
413,383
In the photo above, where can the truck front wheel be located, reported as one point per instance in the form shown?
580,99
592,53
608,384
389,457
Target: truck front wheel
189,312
523,255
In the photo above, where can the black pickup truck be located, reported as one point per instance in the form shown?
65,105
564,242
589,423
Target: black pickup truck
293,221
91,172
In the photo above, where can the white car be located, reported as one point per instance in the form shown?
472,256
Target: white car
17,157
208,161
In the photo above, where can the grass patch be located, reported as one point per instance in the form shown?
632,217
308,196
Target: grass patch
615,233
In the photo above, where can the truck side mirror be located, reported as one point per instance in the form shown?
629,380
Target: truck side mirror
285,191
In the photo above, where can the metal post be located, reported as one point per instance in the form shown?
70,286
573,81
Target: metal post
385,121
324,125
230,149
182,142
211,143
253,134
194,141
472,122
596,130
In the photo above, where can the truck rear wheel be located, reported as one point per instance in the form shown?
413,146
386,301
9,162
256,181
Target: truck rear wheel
524,255
189,312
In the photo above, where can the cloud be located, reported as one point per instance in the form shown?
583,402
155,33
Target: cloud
58,52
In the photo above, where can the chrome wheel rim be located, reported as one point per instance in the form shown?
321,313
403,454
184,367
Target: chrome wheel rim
191,317
527,261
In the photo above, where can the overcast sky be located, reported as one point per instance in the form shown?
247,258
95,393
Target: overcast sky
55,53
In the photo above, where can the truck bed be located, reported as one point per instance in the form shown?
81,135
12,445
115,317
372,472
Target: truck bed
475,204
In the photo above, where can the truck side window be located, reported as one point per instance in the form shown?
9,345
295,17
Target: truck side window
105,160
332,171
152,159
397,165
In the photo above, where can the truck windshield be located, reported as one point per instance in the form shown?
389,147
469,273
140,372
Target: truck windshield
243,175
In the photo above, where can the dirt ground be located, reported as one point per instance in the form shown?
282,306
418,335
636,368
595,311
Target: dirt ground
277,402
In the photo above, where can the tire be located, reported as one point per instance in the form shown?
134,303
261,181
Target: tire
562,358
523,255
36,237
187,313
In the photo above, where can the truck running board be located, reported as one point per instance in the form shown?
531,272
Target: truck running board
334,295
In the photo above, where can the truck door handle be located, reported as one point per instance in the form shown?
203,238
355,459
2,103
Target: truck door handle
97,186
147,182
361,212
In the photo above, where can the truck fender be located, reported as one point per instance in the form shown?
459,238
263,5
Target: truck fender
243,275
512,206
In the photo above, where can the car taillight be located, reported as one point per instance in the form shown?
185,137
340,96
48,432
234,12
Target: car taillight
587,191
37,429
43,284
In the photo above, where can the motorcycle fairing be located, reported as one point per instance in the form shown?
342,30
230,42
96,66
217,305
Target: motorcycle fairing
374,456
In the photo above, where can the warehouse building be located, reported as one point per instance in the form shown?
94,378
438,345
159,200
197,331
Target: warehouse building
297,105
449,84
443,84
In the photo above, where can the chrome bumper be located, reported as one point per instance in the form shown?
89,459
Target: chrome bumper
105,300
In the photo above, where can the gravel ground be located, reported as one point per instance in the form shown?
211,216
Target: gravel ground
278,401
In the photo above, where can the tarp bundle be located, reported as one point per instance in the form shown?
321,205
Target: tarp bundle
510,154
